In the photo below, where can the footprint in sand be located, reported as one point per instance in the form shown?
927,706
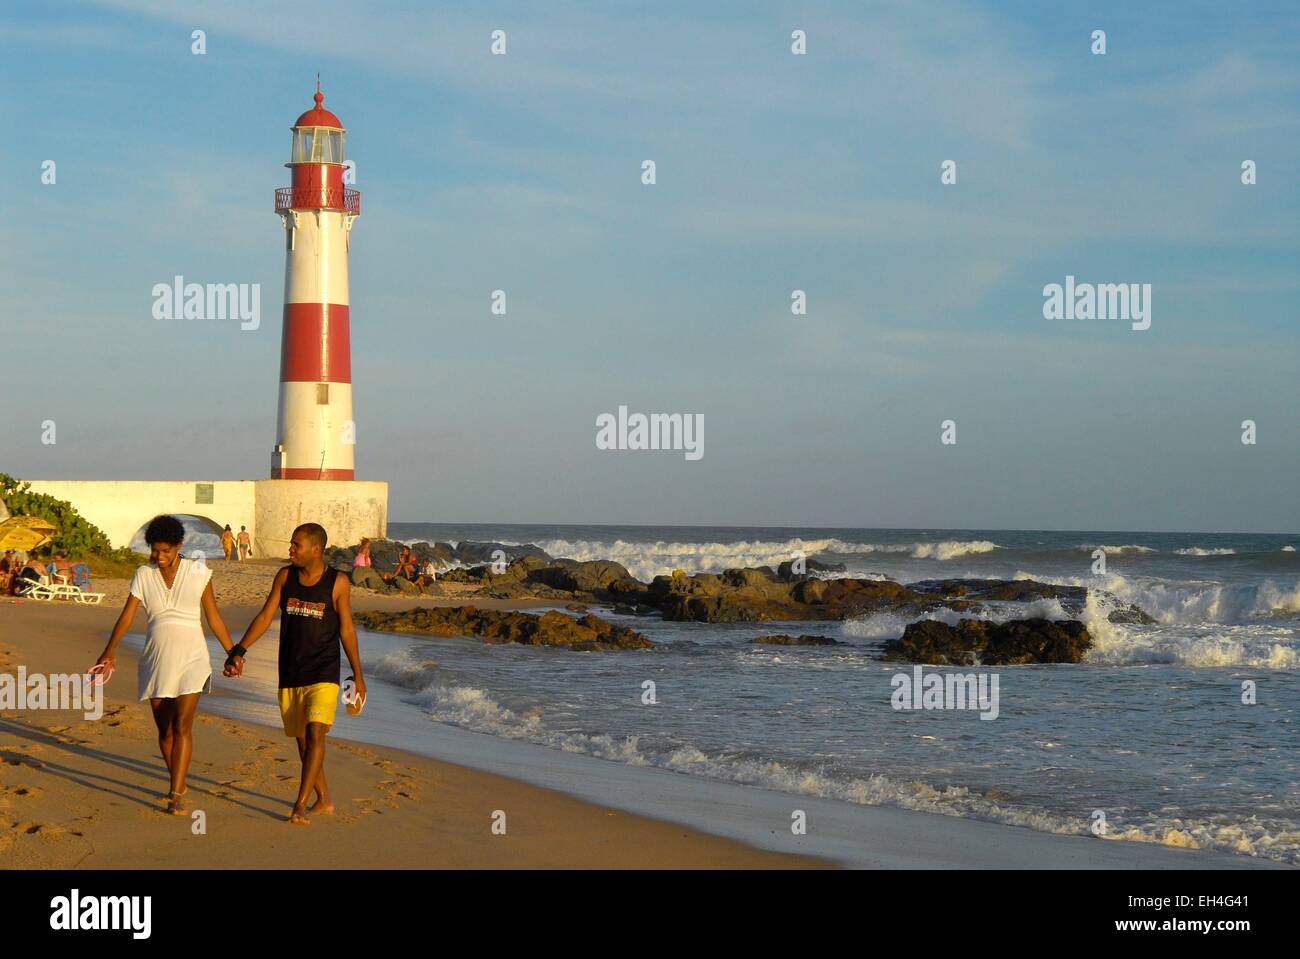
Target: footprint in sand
27,761
27,792
43,829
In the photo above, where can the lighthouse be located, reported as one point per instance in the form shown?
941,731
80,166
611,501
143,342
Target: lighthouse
312,468
315,432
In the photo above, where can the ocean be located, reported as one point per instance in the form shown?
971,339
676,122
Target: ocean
1150,736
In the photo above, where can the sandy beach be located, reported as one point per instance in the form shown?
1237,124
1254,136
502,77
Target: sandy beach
90,793
77,793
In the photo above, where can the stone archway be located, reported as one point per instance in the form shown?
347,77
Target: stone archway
202,534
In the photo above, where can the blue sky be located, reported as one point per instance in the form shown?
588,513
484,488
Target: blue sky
775,173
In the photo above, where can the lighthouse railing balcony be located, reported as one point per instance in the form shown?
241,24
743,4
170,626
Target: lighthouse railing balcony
315,198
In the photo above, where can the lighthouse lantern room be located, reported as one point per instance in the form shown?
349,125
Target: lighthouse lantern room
315,432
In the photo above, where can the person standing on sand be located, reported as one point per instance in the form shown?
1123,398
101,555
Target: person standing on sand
245,544
174,666
315,607
227,542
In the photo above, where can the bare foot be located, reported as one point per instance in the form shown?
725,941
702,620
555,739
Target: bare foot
175,805
298,818
322,807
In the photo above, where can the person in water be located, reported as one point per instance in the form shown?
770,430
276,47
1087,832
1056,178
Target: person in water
174,667
315,618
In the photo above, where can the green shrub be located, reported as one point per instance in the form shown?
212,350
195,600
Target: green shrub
76,536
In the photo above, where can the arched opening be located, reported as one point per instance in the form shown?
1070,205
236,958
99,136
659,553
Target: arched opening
201,533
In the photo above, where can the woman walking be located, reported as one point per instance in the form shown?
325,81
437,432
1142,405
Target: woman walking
174,666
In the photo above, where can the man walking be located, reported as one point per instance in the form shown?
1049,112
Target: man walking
315,618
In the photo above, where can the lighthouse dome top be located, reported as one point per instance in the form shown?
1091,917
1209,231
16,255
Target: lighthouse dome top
318,116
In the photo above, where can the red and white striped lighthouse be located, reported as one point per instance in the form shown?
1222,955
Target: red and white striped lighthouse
315,432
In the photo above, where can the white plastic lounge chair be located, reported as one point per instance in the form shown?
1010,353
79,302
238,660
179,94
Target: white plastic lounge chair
44,589
66,590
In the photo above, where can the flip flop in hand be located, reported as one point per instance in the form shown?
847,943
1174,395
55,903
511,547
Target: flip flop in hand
100,673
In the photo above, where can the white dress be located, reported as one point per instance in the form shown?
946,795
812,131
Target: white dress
175,658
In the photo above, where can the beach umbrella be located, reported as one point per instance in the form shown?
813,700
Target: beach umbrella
26,533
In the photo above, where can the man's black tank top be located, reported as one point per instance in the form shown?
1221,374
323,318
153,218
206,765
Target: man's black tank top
309,631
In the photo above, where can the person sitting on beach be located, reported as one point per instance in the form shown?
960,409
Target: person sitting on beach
6,574
404,568
33,571
428,575
227,542
174,668
245,544
63,567
362,559
315,618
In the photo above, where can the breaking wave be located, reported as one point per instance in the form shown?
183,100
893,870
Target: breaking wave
474,709
646,560
1116,549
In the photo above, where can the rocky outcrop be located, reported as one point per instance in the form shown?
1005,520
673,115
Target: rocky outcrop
786,569
384,553
758,595
754,594
472,553
365,577
1072,598
980,642
782,640
589,577
499,626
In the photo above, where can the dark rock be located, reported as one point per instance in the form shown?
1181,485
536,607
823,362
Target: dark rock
588,577
1002,590
502,626
980,642
1130,614
441,554
786,569
782,640
474,553
404,585
366,578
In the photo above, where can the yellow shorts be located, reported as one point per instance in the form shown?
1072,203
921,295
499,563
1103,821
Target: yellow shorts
300,705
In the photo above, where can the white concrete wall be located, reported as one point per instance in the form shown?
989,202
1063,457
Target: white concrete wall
120,508
348,509
269,508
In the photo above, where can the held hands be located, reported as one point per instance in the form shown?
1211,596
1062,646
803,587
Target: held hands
235,661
